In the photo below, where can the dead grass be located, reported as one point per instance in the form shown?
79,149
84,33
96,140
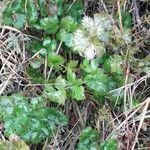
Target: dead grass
12,59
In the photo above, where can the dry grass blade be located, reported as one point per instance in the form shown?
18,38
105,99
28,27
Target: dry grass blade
12,58
144,111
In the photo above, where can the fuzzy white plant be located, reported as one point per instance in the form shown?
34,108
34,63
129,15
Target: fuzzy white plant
91,38
87,39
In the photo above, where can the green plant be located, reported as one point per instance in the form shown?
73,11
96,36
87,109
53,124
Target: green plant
21,118
89,139
69,56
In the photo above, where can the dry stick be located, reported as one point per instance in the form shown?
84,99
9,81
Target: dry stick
6,83
45,69
71,5
120,17
10,28
104,6
37,53
80,116
53,65
125,92
136,12
141,121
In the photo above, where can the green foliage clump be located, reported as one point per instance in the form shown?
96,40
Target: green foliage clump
89,139
101,81
71,87
21,118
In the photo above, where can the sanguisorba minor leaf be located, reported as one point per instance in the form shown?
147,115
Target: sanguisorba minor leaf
55,95
49,44
126,19
88,139
20,21
14,14
65,37
32,14
75,86
32,123
69,24
49,24
55,60
77,92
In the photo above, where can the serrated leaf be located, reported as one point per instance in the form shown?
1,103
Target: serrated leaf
69,24
19,21
35,46
75,86
32,14
35,76
116,62
90,66
46,42
72,64
77,92
71,76
126,19
21,119
49,24
60,83
49,45
54,95
14,14
88,139
66,37
76,10
55,60
110,144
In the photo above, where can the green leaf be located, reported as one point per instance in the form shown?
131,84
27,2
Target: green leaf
75,86
88,139
71,75
35,46
49,24
126,19
72,64
60,83
32,13
90,66
76,10
116,62
55,60
110,144
66,37
35,76
14,14
21,119
69,24
98,82
46,42
54,95
78,93
19,21
107,64
49,45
